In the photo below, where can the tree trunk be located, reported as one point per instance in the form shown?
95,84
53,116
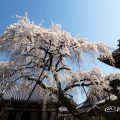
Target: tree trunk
69,104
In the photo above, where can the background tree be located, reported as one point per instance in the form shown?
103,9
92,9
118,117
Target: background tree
114,83
43,58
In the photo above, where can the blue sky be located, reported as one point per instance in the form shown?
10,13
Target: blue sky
97,20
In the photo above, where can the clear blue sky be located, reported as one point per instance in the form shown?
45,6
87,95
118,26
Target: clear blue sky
97,20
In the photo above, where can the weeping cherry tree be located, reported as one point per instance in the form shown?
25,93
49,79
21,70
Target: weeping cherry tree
43,58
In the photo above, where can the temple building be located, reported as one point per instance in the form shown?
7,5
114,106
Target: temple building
116,57
13,105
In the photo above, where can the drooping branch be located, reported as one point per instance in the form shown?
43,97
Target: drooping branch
71,86
63,68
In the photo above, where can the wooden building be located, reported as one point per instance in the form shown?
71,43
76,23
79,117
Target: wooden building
13,106
116,57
